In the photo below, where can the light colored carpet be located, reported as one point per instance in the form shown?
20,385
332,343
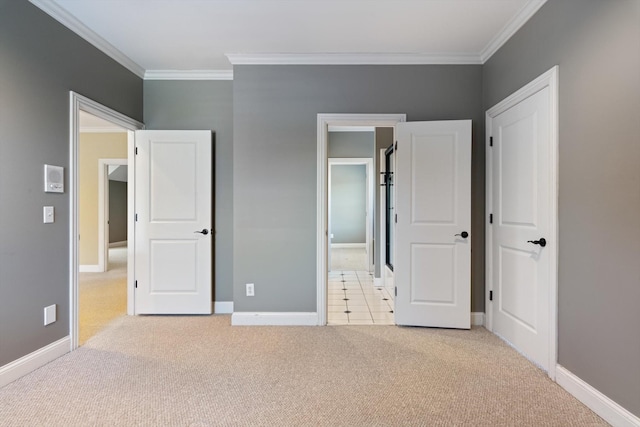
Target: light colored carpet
200,371
102,296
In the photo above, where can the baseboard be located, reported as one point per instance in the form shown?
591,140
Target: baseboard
223,307
348,245
606,408
90,268
118,244
32,361
477,318
274,319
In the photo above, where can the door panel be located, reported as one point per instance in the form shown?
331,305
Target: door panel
433,189
173,207
521,141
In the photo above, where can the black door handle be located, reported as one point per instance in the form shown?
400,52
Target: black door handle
203,231
542,242
464,235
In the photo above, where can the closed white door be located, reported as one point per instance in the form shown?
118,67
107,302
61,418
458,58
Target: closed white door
173,245
520,231
432,264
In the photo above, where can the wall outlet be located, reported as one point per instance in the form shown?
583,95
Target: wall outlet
250,290
49,314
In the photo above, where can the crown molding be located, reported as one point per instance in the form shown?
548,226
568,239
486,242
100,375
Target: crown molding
351,59
188,75
52,9
519,19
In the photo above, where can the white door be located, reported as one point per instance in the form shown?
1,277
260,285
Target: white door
433,206
520,205
173,245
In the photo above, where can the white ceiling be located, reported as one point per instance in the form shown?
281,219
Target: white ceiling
156,38
93,124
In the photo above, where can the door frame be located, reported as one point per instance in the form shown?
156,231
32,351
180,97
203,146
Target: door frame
370,197
548,79
324,120
81,103
103,210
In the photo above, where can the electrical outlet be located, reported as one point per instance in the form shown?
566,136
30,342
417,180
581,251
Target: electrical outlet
250,290
49,314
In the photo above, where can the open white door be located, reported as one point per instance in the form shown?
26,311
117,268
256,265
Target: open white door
433,206
173,230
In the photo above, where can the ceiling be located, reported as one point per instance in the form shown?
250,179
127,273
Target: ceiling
204,38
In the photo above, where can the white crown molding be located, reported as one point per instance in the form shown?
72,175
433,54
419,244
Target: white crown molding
351,59
68,20
518,20
188,75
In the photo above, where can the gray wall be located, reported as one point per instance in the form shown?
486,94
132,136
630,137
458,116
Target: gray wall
274,163
41,62
350,144
193,105
597,46
348,203
117,211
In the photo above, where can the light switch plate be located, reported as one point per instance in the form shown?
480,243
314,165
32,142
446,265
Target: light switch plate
48,214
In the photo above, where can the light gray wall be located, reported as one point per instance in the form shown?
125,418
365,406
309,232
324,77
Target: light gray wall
41,61
117,211
384,140
274,163
597,46
348,203
350,144
193,105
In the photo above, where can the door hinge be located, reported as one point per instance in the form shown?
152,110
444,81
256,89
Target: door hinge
136,150
490,141
395,148
136,217
136,284
396,218
490,218
490,295
396,291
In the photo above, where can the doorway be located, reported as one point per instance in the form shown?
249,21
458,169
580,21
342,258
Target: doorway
82,107
323,239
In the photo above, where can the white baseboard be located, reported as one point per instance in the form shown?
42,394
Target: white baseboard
606,408
477,318
32,361
118,244
348,245
223,307
90,268
274,319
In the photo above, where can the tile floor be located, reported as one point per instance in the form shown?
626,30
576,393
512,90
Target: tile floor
353,299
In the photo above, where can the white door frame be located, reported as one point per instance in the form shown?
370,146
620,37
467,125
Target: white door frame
322,238
103,210
550,80
368,164
80,103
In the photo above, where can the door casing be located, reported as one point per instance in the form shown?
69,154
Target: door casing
81,103
548,79
322,238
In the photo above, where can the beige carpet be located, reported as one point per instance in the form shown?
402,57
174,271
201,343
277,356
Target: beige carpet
200,371
102,296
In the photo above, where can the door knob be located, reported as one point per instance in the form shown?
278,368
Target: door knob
203,231
464,235
542,242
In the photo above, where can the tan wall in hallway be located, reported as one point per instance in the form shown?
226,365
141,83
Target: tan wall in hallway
93,146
